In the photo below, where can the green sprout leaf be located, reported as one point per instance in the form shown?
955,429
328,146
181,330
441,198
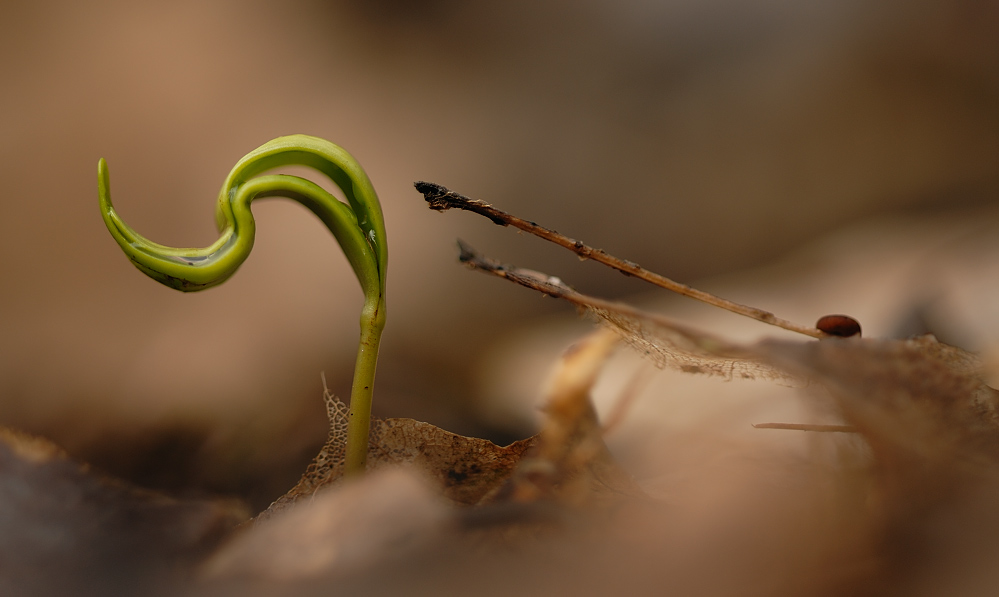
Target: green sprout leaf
357,225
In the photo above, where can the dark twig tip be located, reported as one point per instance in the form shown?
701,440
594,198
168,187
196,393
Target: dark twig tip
430,189
440,197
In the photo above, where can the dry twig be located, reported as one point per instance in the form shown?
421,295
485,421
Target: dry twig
667,342
441,198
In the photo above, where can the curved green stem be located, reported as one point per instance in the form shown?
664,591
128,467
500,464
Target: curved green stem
358,227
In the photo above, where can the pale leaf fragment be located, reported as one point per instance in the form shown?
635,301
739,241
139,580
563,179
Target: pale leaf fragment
570,463
670,344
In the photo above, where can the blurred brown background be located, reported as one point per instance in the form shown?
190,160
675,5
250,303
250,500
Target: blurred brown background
696,138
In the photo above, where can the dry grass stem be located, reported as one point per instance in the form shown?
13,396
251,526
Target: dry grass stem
807,427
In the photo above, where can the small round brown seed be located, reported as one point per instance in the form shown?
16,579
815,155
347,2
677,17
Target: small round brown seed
843,326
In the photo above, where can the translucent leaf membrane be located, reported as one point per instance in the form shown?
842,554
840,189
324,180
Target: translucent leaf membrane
914,400
666,342
670,345
919,403
465,468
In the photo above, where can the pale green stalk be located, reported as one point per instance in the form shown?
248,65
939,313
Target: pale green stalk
357,225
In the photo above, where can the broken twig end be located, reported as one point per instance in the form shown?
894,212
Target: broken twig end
441,198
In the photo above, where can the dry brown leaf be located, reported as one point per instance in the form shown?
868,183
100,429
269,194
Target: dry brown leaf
465,468
567,462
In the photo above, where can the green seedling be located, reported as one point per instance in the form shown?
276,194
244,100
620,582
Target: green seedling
357,225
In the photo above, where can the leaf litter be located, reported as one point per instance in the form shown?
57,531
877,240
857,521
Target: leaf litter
529,485
907,509
919,405
929,426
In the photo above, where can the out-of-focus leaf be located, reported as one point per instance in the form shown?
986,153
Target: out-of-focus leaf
66,530
570,462
385,514
915,401
917,396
